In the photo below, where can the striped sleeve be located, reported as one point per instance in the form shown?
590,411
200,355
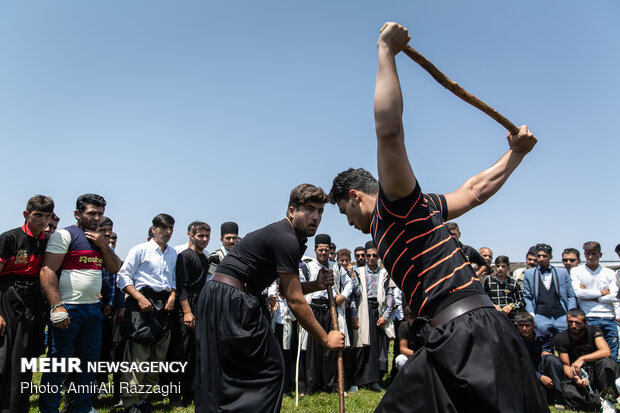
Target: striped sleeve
439,202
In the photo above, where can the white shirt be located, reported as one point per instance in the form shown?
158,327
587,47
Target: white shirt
589,298
148,266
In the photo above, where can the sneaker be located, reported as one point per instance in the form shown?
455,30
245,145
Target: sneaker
558,406
608,406
353,389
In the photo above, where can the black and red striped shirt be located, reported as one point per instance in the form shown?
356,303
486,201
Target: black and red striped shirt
22,253
417,250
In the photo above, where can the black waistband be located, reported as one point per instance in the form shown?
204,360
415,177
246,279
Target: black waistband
459,308
24,286
148,292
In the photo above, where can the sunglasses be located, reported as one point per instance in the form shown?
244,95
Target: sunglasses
372,255
569,259
359,255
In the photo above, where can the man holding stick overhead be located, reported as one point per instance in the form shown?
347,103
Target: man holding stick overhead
461,363
239,360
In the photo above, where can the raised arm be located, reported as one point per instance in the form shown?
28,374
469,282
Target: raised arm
477,189
395,173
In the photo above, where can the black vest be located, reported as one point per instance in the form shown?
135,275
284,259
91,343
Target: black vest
548,304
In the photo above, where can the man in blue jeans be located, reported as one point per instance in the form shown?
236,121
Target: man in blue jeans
75,311
548,292
597,291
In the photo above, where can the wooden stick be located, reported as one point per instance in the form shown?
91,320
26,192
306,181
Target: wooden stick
332,310
459,91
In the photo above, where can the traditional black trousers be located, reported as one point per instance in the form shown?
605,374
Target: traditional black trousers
182,348
474,363
22,308
239,361
371,361
321,363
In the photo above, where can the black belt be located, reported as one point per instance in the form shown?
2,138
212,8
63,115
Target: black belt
23,288
319,304
459,308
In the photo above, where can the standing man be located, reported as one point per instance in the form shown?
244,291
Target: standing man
21,303
148,278
596,290
240,361
470,252
570,258
360,257
487,254
548,292
530,262
191,275
230,237
190,230
80,253
453,370
503,290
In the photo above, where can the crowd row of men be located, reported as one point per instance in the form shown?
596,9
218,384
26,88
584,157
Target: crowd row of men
100,308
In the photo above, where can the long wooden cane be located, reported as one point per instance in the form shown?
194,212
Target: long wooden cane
458,90
454,87
332,310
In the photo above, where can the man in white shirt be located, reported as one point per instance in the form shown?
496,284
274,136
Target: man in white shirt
148,277
596,290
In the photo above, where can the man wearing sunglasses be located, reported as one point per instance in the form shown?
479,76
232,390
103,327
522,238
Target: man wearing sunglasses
570,258
548,292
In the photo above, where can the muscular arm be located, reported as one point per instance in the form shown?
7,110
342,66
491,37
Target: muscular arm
49,280
290,288
395,173
477,189
404,348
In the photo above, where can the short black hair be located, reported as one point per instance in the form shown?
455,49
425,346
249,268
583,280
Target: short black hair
502,259
544,248
304,193
617,248
89,199
104,222
196,225
592,245
576,312
524,317
163,220
358,179
40,203
531,251
113,235
452,225
360,249
572,251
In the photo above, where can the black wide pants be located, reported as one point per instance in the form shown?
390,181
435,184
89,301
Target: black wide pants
239,361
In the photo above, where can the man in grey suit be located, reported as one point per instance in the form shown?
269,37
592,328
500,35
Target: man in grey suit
548,292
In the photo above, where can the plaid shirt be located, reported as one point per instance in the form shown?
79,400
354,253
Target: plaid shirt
506,293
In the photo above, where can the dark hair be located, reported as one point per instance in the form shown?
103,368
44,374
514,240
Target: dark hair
40,203
343,253
163,220
452,225
576,312
360,249
104,222
407,311
196,225
544,248
617,248
332,246
150,233
531,251
55,217
89,199
358,179
502,259
592,245
572,251
524,317
304,193
113,235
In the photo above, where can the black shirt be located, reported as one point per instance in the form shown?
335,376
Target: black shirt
419,253
22,253
564,343
260,255
406,332
473,256
191,273
541,342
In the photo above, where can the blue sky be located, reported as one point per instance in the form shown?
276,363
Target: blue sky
215,110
